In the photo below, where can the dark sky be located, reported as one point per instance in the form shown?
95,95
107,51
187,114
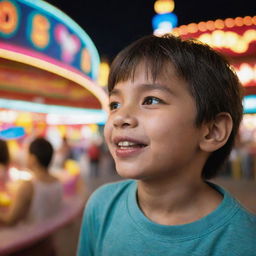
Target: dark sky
113,24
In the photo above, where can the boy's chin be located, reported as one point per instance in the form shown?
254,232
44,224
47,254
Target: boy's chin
129,174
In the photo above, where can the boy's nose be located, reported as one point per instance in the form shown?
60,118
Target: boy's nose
125,120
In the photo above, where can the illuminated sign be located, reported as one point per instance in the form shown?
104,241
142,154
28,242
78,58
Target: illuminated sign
39,30
234,37
9,18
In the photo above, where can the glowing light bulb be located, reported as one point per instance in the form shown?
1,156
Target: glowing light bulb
239,21
164,6
103,73
229,22
219,24
210,25
202,26
245,73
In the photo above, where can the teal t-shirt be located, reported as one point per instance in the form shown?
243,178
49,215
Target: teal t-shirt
114,225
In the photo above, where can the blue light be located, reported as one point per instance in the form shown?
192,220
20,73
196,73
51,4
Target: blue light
43,108
170,18
12,133
249,104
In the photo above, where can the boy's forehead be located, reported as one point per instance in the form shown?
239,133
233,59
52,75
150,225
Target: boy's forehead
149,72
143,77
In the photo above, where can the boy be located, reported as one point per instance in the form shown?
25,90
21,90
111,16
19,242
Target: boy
175,109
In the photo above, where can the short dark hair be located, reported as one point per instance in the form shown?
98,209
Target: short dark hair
4,153
211,81
42,149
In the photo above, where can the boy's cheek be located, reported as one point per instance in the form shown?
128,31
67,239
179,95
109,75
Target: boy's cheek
107,133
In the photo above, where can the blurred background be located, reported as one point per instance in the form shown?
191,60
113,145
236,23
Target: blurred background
54,64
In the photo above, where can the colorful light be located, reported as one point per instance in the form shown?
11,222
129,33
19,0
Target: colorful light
164,6
246,73
249,104
103,73
56,114
164,21
228,39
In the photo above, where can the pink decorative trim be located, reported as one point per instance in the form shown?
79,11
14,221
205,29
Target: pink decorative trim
37,55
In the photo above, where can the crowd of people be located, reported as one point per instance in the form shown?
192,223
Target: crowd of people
40,196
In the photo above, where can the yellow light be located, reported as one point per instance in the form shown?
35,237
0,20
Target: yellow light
192,28
164,6
206,38
183,30
25,120
246,73
8,17
62,129
254,20
103,73
72,167
231,39
176,32
202,26
217,38
240,47
237,43
229,22
94,128
247,20
210,25
5,199
249,35
239,21
219,24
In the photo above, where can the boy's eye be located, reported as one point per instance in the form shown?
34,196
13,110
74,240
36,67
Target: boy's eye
151,100
114,105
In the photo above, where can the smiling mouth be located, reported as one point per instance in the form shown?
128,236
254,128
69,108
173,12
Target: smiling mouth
124,145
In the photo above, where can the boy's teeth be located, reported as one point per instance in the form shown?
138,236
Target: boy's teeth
126,144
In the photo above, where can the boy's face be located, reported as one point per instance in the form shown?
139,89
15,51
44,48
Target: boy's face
151,131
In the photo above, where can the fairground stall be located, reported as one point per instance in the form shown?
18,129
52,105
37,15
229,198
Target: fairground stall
236,40
48,69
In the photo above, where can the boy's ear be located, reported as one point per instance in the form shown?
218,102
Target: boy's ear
216,132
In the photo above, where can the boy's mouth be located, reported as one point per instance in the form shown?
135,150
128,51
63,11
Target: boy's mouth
127,143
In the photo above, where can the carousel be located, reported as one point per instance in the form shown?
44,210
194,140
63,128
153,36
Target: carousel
49,68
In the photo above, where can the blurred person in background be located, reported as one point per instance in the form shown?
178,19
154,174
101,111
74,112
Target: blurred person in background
4,163
63,153
39,197
94,154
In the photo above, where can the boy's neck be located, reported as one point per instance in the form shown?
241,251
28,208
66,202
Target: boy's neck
177,203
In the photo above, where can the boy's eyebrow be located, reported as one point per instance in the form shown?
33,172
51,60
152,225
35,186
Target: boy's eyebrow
155,86
114,92
146,87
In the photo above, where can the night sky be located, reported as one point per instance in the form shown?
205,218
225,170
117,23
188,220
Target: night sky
113,24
